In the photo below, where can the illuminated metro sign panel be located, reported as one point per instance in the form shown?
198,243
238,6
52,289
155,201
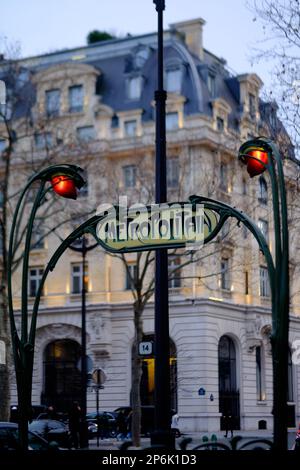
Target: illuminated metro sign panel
168,225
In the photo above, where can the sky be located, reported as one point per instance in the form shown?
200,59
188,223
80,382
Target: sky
45,26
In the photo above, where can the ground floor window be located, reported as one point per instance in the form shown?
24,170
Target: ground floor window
62,379
147,379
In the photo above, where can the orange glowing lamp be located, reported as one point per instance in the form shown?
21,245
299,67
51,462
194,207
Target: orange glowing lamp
256,162
64,186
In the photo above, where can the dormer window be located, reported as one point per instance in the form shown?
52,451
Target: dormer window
130,128
171,121
220,124
134,88
211,84
76,99
141,57
52,102
173,80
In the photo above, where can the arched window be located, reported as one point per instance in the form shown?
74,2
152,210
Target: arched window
263,191
229,399
62,378
260,374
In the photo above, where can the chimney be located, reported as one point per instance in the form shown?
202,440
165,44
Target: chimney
191,31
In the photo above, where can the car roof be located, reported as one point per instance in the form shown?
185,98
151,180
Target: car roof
43,420
7,424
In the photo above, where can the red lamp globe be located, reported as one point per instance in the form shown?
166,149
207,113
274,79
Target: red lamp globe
256,165
64,186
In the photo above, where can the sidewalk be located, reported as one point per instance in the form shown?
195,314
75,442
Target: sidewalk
113,444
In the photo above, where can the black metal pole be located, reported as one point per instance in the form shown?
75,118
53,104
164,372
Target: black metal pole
83,347
83,250
97,409
162,433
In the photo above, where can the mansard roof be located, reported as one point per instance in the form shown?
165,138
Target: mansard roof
115,62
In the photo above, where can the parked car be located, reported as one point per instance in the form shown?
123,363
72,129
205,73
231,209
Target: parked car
36,410
9,439
147,419
96,425
52,430
57,416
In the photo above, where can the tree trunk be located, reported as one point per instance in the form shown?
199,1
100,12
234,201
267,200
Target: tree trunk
136,376
4,368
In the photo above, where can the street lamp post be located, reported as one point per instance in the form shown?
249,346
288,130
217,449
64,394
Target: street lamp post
259,155
64,179
83,249
262,154
162,434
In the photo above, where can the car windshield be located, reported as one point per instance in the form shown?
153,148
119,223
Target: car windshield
42,425
38,426
34,442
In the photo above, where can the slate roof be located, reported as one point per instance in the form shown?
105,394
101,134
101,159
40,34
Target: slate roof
114,58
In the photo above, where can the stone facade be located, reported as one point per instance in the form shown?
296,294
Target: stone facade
209,113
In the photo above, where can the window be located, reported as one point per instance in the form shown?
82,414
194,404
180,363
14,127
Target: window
141,57
211,84
37,239
173,172
263,191
52,102
34,279
6,111
273,119
76,99
173,80
264,282
129,173
131,274
3,144
174,277
264,227
246,283
130,128
134,88
84,191
225,278
260,394
223,177
244,187
171,121
77,277
86,133
290,394
220,124
252,106
43,141
225,229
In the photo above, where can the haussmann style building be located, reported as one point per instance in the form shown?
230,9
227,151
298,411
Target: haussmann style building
94,106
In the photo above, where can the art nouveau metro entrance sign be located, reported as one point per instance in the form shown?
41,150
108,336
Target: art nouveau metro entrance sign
169,225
